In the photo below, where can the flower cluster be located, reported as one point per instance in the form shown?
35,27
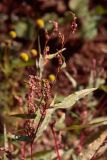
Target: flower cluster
39,98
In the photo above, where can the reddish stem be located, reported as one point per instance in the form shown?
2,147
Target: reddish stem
23,150
55,139
31,151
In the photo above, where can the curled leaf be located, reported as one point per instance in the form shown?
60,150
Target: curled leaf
25,116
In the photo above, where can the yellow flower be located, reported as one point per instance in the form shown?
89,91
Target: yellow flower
40,23
24,56
13,34
52,77
34,52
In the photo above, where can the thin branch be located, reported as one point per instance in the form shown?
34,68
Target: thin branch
55,139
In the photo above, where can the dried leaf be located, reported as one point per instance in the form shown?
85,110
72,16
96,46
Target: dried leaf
88,153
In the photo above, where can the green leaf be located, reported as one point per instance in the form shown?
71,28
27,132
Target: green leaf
1,137
78,5
61,122
41,155
96,122
69,153
26,116
21,138
66,103
19,63
91,149
76,127
25,28
69,101
103,87
45,123
100,10
5,141
46,120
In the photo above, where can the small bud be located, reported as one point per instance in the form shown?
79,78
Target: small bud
40,23
52,77
12,34
34,52
24,56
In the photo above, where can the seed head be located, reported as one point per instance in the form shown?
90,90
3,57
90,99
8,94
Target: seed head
12,34
34,52
52,77
40,23
24,56
47,91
